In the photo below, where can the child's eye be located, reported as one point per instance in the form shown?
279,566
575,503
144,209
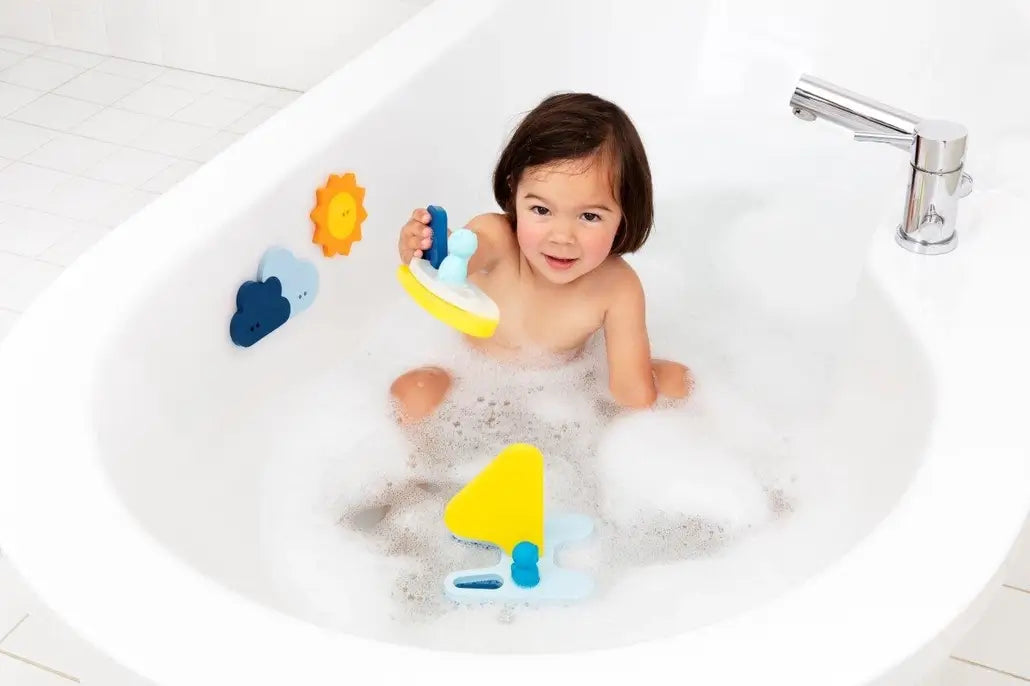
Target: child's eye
591,216
537,209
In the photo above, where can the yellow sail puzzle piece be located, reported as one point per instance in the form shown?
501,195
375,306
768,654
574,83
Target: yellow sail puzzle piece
504,504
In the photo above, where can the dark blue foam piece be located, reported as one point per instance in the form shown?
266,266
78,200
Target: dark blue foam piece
260,310
488,582
438,223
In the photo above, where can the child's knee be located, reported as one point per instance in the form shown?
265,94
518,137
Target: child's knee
672,379
419,392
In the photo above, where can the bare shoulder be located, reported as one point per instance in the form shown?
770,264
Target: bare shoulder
497,241
492,226
619,282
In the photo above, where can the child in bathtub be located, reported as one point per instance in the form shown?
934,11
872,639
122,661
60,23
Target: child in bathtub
575,187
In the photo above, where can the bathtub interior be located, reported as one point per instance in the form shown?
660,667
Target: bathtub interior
754,278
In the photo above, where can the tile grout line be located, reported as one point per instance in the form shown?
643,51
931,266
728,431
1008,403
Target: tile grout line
1016,588
40,46
199,95
15,64
73,132
83,175
990,669
88,220
34,259
218,130
22,159
253,106
45,59
22,620
37,665
148,82
114,105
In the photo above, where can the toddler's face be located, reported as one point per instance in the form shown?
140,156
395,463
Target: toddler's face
566,218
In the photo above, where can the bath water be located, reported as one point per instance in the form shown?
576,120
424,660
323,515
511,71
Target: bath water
702,507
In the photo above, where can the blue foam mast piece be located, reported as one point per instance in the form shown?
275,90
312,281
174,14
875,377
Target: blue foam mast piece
438,223
524,569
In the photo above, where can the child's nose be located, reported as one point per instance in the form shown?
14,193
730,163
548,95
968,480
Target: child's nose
562,234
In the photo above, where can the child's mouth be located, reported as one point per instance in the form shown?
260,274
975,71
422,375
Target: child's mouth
560,262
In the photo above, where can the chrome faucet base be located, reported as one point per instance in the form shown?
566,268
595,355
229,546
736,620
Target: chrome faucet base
924,247
936,150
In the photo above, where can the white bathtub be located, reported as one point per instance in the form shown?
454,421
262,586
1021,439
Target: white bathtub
130,506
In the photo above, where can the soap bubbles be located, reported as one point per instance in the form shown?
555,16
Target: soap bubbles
697,505
352,519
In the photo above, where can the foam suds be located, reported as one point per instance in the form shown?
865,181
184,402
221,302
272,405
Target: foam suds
694,502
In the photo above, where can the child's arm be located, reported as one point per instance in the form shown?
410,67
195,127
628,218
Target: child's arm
631,380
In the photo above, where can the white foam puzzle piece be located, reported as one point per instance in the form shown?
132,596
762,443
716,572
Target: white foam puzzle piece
557,584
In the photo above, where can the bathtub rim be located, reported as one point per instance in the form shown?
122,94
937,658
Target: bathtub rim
270,645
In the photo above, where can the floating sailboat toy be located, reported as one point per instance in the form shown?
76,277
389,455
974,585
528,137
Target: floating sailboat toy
504,506
438,281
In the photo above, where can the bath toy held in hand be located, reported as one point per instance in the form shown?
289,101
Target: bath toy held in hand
504,506
439,281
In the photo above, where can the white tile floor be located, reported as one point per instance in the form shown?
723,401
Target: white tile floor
87,140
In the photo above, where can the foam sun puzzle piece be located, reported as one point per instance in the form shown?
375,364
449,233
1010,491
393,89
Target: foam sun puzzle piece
338,214
260,310
299,278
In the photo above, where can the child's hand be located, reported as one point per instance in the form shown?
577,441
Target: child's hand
416,236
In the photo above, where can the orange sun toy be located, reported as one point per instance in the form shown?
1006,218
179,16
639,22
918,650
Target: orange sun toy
338,214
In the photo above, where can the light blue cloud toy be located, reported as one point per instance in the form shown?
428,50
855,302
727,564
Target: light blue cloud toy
298,277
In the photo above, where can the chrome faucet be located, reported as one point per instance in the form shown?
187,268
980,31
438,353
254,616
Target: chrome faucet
937,151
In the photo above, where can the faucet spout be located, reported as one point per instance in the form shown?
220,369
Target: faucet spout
936,150
824,100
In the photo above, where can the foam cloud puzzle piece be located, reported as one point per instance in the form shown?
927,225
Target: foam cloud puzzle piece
299,278
260,310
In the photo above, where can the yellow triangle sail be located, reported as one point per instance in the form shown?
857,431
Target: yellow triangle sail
504,504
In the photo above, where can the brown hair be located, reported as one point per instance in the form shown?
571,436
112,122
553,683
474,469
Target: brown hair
570,126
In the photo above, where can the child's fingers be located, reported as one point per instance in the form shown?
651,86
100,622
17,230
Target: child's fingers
418,233
415,228
421,215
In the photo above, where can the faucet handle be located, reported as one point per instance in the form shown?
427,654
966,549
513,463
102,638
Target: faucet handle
897,139
965,185
936,146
